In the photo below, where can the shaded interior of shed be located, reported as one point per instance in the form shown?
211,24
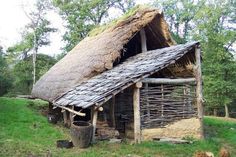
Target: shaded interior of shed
155,39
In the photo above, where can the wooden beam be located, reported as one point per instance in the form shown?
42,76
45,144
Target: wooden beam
72,111
143,40
198,75
136,106
168,81
94,122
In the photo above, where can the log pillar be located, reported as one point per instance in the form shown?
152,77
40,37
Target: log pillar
112,112
136,106
143,40
66,118
198,75
94,122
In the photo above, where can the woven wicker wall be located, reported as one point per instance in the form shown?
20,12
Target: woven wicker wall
165,104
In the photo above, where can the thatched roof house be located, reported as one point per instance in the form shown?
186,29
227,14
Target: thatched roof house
96,54
132,78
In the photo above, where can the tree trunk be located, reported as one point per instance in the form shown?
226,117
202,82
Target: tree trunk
226,111
35,49
34,67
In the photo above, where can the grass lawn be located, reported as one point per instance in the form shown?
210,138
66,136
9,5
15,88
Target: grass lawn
24,132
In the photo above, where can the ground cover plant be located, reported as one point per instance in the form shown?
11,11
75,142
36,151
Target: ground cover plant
24,131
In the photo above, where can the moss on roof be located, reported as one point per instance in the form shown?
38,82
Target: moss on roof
101,28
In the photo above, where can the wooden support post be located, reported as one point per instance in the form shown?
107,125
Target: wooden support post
143,40
112,111
136,106
71,116
94,122
198,75
65,117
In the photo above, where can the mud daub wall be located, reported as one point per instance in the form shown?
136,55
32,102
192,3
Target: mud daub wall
182,128
161,105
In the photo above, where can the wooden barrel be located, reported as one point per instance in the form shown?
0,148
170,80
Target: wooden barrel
81,133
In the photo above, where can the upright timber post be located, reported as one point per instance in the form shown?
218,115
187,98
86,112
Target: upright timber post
112,111
143,40
94,122
198,75
136,106
136,95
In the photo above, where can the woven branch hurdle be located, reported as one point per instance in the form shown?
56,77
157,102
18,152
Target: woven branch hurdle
162,104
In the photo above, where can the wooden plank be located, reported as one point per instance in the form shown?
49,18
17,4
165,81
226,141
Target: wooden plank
198,75
137,120
143,40
168,81
72,111
94,122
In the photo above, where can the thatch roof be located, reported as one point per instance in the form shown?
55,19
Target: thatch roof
101,88
96,54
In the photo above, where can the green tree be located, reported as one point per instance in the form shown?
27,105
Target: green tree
36,34
180,16
20,50
213,23
219,66
5,77
83,15
22,72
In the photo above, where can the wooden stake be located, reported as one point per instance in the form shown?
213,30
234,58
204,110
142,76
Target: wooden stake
198,75
94,122
143,40
136,105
